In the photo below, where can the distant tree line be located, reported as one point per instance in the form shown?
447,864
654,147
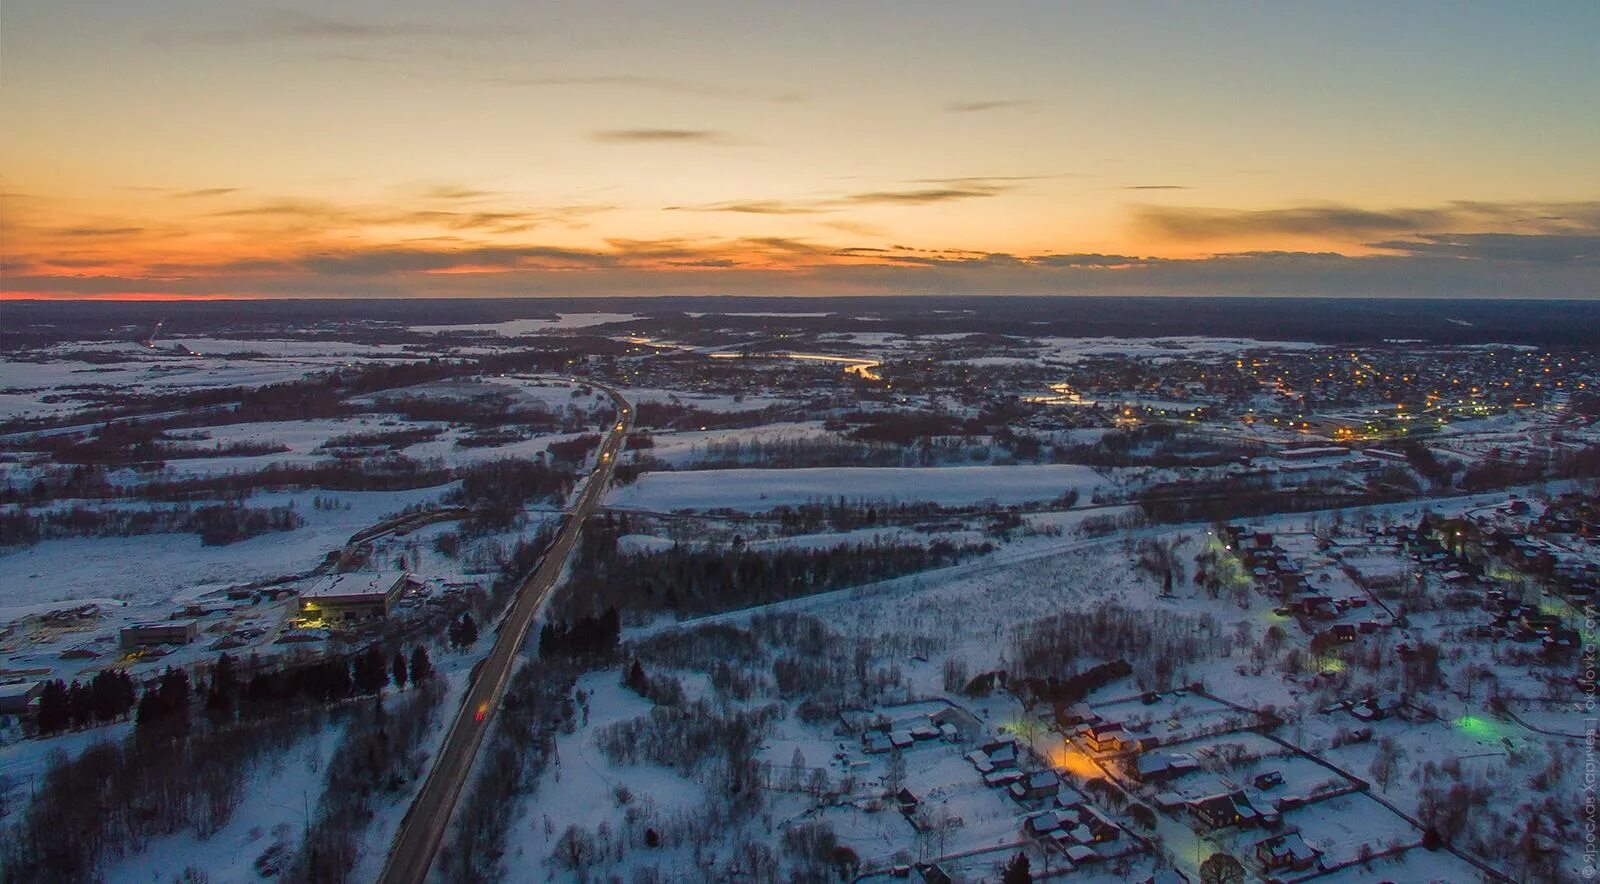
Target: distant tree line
126,443
798,453
391,472
490,411
217,524
672,415
393,439
320,395
1222,499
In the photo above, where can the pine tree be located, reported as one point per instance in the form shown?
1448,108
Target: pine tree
80,705
1018,871
150,710
174,690
469,631
636,679
224,687
54,712
397,670
370,671
421,666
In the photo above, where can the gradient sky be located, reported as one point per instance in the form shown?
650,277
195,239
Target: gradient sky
168,148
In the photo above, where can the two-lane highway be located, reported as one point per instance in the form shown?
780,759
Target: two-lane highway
423,829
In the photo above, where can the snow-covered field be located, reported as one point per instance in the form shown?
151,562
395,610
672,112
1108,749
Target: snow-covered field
153,569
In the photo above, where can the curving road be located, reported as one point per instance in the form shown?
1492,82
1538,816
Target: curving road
423,828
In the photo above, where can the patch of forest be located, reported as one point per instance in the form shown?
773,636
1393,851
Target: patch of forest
690,580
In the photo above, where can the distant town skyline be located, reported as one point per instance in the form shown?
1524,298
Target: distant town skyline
176,149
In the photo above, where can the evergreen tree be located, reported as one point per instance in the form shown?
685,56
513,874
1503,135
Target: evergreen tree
224,687
54,712
166,704
150,711
397,670
111,694
463,632
636,680
80,705
175,691
1018,871
421,666
335,678
370,671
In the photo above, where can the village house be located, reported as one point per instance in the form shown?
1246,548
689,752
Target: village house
1222,810
1286,851
994,756
1036,786
1160,767
1106,737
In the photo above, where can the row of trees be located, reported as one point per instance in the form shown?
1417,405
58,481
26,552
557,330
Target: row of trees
217,524
120,445
107,697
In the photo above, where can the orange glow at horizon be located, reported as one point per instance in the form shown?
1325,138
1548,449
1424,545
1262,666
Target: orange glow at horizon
183,148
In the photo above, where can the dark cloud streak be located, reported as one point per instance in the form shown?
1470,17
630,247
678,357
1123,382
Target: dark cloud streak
975,107
659,136
1332,220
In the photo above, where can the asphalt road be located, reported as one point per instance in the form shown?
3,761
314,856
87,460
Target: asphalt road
423,828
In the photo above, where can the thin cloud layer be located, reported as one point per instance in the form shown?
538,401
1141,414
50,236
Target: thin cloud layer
541,271
452,238
1501,247
973,107
656,136
1343,222
954,189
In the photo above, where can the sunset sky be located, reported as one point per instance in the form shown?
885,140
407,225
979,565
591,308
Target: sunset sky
365,149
